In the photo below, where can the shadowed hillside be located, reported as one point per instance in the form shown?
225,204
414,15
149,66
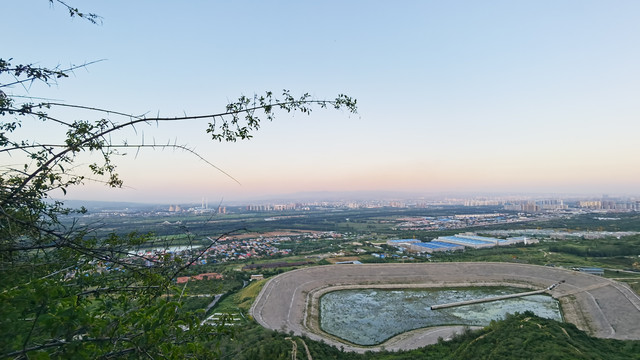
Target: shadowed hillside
520,336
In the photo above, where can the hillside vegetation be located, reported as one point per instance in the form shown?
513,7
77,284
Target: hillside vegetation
519,336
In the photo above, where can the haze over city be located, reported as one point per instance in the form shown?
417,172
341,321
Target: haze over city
458,96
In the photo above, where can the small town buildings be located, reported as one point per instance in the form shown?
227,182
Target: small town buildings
204,276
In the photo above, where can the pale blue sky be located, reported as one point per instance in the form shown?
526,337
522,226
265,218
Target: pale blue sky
454,95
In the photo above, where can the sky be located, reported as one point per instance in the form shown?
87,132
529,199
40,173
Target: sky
453,96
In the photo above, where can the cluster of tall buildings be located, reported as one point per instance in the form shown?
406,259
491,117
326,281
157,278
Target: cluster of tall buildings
551,205
522,203
535,206
198,210
606,204
272,207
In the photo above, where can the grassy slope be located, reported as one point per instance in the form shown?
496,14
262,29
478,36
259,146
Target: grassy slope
521,336
242,300
528,337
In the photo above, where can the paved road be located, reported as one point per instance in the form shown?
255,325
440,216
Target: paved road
289,302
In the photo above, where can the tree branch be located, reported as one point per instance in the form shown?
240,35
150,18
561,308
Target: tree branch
228,135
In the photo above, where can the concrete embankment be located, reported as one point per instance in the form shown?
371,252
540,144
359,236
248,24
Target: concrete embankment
478,301
286,302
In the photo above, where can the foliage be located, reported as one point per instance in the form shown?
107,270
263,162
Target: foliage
581,222
519,336
625,246
66,291
526,336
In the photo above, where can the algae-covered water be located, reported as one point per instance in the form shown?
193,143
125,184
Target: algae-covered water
371,316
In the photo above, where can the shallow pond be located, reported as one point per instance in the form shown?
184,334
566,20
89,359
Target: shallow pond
371,316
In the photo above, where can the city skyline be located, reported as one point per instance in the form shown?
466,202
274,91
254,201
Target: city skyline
510,201
453,97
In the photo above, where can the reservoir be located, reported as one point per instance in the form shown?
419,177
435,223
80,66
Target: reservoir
371,316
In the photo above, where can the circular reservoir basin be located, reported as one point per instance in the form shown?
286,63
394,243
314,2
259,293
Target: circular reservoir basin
371,316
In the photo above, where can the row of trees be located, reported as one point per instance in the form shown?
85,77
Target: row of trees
597,250
66,292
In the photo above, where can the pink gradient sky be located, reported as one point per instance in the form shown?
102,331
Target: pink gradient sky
453,96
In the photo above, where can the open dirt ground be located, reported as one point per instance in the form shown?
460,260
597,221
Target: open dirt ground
289,302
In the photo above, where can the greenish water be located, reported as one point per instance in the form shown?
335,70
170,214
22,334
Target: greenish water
371,316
